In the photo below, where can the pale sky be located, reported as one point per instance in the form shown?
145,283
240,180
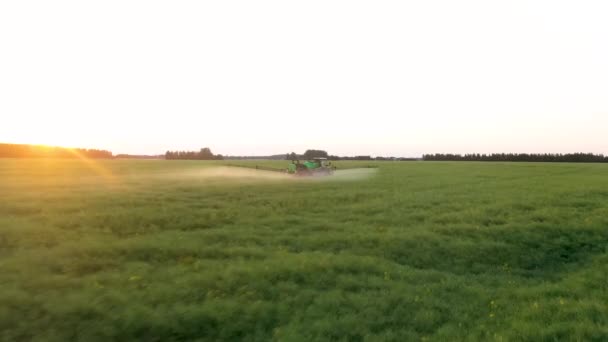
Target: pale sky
267,77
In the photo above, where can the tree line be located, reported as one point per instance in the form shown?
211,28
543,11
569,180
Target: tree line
203,154
521,157
42,151
139,156
311,154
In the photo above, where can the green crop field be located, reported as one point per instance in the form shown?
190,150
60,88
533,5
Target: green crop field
187,250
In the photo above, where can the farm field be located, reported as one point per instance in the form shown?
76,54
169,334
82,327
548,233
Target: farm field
155,250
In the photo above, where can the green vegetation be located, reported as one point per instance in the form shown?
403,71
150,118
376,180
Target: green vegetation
183,250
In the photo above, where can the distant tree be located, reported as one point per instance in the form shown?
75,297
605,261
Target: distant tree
521,157
310,154
205,154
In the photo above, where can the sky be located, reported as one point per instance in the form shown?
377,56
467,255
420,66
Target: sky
398,78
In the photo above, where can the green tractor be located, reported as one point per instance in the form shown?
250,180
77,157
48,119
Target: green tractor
313,167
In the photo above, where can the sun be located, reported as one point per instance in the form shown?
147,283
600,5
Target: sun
53,139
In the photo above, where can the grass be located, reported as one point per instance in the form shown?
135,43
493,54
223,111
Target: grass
184,250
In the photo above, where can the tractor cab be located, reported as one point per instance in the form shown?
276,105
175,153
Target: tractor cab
322,162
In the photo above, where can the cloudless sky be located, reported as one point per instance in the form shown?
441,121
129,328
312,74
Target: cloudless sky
263,77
